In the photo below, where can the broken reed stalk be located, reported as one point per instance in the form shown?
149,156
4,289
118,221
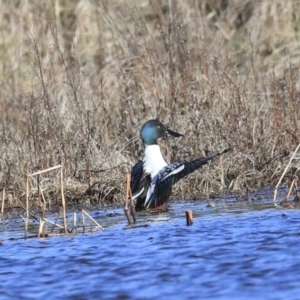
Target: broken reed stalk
290,190
132,207
126,212
43,209
189,217
43,205
297,193
2,205
75,221
63,202
222,173
135,226
296,183
41,227
53,223
93,220
27,205
282,175
3,198
83,221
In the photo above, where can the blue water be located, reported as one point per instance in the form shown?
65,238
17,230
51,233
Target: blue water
231,252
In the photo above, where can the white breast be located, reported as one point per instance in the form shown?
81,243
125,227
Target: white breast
153,160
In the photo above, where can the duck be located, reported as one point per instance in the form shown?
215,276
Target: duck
152,178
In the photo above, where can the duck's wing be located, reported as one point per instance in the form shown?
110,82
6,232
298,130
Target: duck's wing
136,176
176,171
139,184
171,174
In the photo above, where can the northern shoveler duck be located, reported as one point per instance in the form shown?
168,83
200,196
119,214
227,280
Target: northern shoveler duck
152,178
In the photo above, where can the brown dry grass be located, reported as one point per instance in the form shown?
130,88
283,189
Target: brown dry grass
79,77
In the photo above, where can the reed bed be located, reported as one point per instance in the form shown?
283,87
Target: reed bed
78,79
45,205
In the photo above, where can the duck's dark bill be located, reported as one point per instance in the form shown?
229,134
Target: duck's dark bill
169,133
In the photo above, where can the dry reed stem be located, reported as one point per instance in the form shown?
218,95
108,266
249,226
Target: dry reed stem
43,205
83,221
46,170
290,189
27,205
126,212
296,183
189,218
75,221
285,170
93,220
54,223
41,227
63,202
2,204
3,198
58,234
130,226
132,206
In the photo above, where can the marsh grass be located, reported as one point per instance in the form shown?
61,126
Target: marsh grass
42,202
78,79
44,206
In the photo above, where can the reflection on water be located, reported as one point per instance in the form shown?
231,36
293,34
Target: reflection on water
232,251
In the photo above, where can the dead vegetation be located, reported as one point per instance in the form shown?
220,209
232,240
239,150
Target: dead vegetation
78,79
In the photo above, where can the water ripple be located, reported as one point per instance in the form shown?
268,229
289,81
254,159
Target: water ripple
224,255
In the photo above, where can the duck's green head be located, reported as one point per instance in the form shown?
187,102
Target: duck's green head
153,130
